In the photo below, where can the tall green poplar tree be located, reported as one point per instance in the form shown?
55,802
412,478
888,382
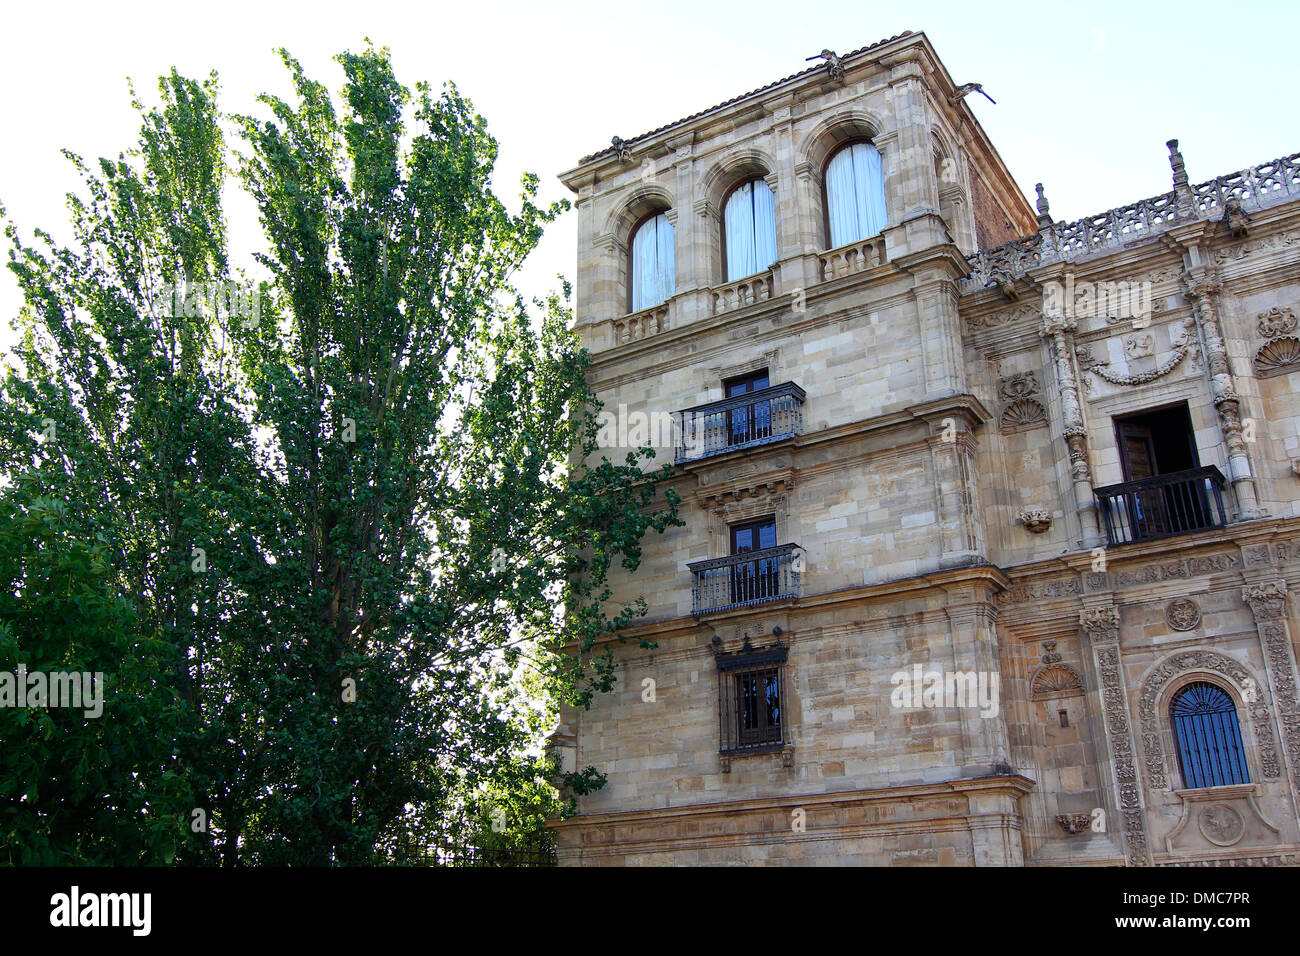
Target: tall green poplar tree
349,520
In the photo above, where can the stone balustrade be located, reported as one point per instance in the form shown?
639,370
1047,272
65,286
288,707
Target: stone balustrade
638,325
741,292
1253,188
858,256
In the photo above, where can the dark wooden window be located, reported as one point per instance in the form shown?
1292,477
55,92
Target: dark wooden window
1208,737
1159,444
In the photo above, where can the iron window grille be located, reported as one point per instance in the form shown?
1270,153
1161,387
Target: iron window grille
751,699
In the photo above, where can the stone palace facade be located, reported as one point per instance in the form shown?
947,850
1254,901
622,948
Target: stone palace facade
990,520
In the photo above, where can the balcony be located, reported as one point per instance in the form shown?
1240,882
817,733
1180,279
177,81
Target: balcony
858,256
741,292
638,325
1177,503
744,580
755,418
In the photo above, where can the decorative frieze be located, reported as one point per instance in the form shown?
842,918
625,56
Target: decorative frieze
1181,569
1041,591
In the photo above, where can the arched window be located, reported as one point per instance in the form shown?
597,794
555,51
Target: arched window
749,219
653,273
1207,737
855,194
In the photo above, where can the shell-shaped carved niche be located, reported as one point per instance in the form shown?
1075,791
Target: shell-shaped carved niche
1023,413
1055,680
1280,355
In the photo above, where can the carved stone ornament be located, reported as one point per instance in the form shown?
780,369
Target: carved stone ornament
1183,614
1020,385
1073,823
1278,356
1055,681
1023,409
1036,520
1136,347
1221,825
1100,622
1266,601
1275,323
1022,413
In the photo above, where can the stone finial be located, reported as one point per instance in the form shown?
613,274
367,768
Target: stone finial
1044,208
1182,191
1176,161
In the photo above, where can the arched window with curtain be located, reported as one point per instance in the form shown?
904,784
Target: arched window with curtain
855,194
749,229
653,276
1207,737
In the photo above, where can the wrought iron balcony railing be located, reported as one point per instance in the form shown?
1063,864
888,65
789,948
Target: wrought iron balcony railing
742,580
1163,506
756,418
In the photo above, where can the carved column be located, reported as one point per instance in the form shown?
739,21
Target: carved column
1059,332
1202,288
1101,628
1267,602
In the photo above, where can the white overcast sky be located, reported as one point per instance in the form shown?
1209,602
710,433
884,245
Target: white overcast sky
1086,93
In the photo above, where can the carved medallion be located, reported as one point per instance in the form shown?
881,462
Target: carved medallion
1183,614
1221,825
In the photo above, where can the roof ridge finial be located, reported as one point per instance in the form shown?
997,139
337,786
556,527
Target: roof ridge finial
1044,215
1182,192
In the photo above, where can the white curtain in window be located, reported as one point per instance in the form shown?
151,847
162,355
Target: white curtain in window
855,194
750,221
653,270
